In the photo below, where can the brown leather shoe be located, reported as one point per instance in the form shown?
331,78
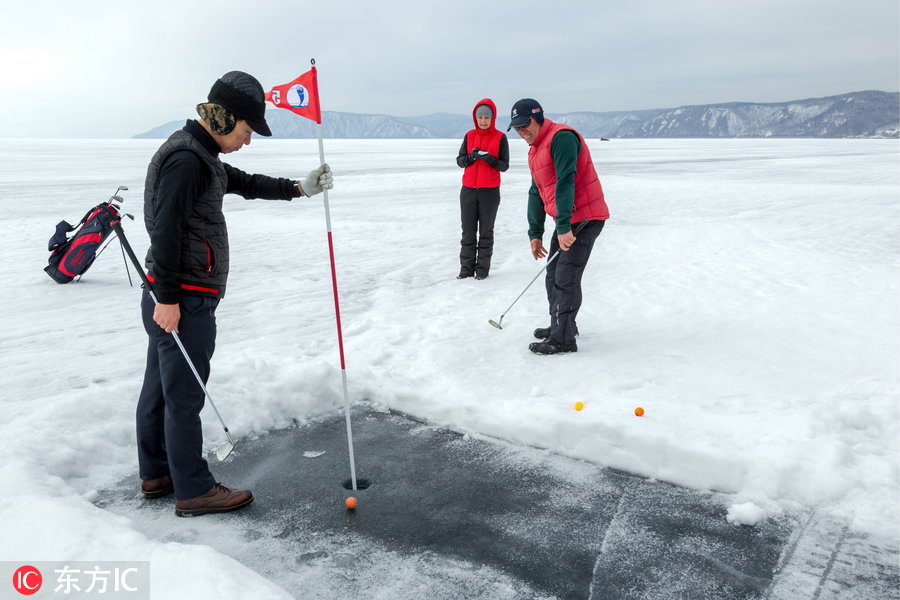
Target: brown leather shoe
157,488
218,499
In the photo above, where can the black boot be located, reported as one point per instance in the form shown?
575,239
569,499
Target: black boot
464,274
551,347
543,333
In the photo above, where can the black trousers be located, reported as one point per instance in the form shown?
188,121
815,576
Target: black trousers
563,281
169,433
478,210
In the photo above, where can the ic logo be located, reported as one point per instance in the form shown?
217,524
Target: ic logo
27,580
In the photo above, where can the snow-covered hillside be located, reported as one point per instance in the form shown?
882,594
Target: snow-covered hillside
859,114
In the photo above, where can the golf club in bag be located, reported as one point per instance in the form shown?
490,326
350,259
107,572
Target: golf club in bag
225,449
497,324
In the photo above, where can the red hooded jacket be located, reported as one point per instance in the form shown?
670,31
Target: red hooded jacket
480,174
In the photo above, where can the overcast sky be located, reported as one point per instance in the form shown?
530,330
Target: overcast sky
93,68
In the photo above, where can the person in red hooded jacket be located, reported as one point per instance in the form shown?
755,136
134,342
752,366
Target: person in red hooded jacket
484,154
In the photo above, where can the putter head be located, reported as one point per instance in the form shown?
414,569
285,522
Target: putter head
495,323
224,451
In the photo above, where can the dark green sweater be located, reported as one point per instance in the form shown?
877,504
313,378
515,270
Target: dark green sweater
564,149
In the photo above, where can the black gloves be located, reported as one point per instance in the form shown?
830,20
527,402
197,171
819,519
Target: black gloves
477,154
486,157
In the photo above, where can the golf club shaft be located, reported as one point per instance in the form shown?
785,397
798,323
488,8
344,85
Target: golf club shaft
140,270
196,374
576,231
549,260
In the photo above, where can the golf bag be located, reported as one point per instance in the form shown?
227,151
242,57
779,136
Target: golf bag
72,256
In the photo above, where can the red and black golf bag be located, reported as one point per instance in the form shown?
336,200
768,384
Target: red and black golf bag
72,256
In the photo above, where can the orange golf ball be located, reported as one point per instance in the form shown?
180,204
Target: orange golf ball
639,411
350,503
579,405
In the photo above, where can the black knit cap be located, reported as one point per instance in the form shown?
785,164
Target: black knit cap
242,95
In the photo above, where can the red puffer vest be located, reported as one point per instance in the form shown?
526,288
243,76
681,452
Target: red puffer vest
480,174
589,202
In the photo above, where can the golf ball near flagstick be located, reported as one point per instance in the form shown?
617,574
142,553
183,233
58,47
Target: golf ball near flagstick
361,484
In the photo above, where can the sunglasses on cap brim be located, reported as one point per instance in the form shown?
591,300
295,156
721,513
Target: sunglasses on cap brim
521,127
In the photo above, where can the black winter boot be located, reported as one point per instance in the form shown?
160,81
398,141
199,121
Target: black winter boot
551,347
543,333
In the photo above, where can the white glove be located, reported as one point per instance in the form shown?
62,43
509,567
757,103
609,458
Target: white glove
318,180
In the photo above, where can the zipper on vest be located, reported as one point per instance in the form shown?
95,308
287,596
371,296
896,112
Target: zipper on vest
210,262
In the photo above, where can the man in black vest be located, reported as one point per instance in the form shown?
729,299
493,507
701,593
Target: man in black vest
187,264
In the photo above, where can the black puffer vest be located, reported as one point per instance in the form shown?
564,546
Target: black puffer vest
204,245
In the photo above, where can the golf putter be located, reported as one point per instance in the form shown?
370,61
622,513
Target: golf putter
223,451
498,324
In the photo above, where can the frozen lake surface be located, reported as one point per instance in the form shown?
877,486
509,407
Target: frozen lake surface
743,293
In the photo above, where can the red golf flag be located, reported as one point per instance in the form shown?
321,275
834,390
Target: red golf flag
300,96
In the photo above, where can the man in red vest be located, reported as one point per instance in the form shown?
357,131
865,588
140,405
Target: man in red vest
565,186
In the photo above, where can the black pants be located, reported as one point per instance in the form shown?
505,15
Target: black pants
564,282
169,434
478,210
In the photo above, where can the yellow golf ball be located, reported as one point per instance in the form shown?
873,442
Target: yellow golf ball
579,405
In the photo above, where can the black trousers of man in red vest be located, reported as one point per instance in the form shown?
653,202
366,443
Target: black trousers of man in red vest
563,282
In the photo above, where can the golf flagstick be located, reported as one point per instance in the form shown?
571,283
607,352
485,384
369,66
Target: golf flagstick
337,307
301,96
225,449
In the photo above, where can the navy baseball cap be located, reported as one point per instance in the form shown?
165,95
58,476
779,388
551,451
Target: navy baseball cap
523,110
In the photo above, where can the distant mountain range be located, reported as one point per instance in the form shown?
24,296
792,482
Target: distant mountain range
869,114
